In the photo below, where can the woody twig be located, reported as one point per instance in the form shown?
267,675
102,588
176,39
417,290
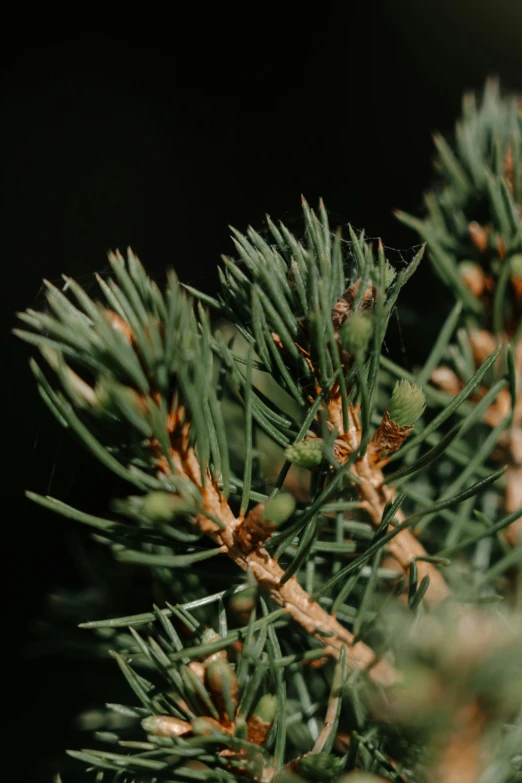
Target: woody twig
239,539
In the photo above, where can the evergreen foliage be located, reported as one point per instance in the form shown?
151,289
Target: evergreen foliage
363,521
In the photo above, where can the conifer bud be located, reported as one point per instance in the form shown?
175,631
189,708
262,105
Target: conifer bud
106,392
407,404
262,718
389,275
356,331
243,603
221,681
473,275
266,708
278,509
479,235
165,726
483,343
162,506
117,399
515,263
208,637
119,325
262,520
307,453
198,668
446,379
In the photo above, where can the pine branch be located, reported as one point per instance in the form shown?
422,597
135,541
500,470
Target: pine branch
333,532
473,231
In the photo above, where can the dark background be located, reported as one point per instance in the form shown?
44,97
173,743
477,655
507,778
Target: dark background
159,138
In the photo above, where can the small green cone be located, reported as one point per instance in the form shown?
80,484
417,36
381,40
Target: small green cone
165,726
515,263
110,394
209,635
468,267
305,454
150,724
221,681
356,332
407,404
244,602
121,401
389,275
279,509
102,391
162,506
321,766
261,719
473,276
266,708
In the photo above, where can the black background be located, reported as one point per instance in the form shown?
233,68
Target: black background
159,137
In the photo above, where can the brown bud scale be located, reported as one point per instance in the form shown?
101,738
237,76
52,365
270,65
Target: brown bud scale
168,726
387,439
253,530
198,668
257,729
119,325
482,343
479,235
475,279
447,380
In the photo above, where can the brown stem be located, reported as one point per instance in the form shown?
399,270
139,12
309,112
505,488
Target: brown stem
291,596
461,759
404,547
374,495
